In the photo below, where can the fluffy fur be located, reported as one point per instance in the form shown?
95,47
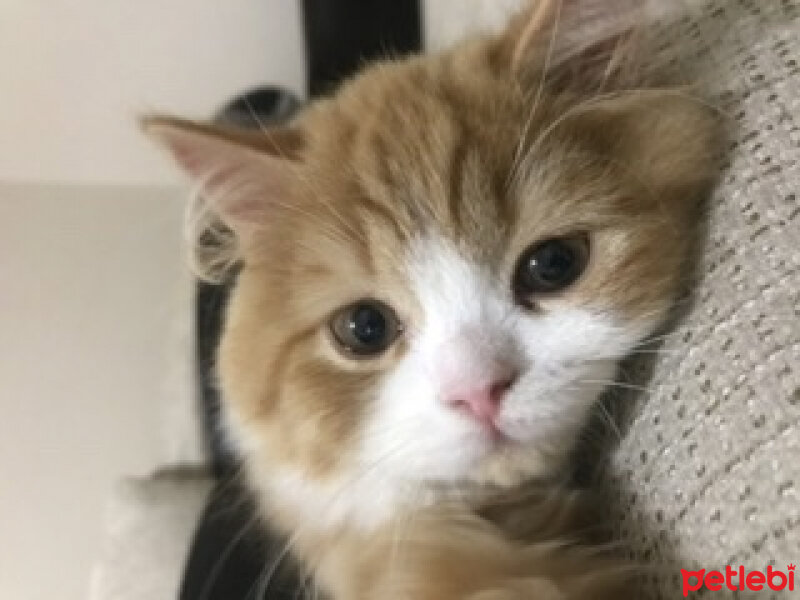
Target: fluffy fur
420,184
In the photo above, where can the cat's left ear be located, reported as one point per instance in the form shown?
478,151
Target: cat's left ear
242,174
573,43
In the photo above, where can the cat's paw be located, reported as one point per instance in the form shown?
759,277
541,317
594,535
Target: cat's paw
524,589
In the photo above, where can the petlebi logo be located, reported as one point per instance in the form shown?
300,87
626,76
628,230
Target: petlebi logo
738,579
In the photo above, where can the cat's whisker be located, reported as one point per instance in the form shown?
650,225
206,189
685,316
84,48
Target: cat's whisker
290,164
216,569
609,420
237,478
329,231
611,384
202,221
537,97
632,353
400,525
646,351
571,111
262,583
706,329
257,118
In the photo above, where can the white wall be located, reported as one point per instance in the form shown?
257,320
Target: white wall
447,21
95,303
96,342
75,73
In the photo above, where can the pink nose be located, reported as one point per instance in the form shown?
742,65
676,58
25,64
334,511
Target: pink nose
482,403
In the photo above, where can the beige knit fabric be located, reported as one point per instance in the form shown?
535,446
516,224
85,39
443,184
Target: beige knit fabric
707,473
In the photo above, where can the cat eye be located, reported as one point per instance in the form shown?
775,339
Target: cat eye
551,266
365,329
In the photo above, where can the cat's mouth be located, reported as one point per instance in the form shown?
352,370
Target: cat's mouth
497,437
491,435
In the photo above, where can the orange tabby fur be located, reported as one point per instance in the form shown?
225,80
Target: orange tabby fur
478,146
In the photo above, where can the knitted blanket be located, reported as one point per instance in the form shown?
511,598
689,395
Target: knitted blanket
707,473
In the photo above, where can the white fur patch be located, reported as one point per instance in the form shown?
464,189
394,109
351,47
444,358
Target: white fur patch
414,444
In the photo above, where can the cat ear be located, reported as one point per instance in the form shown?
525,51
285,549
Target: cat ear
585,43
241,173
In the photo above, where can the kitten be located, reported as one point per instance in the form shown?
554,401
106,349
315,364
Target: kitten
441,266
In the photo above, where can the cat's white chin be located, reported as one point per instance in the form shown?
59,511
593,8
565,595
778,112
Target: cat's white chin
364,499
513,462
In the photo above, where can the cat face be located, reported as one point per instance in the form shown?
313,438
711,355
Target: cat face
440,268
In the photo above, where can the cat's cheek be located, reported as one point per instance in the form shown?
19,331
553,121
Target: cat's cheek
548,410
573,355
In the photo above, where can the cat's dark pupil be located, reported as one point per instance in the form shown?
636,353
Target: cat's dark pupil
368,326
552,263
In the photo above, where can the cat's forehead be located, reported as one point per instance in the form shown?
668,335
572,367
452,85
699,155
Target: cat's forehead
418,151
430,150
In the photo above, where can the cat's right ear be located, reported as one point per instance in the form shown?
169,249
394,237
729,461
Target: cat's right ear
242,174
584,44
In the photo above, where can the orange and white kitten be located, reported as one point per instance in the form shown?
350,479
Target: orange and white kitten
441,266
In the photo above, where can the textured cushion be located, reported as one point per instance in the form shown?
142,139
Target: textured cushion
708,471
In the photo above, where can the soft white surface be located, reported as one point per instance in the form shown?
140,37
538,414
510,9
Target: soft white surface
150,525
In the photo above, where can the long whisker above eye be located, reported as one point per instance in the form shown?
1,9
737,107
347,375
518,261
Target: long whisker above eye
519,152
309,184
